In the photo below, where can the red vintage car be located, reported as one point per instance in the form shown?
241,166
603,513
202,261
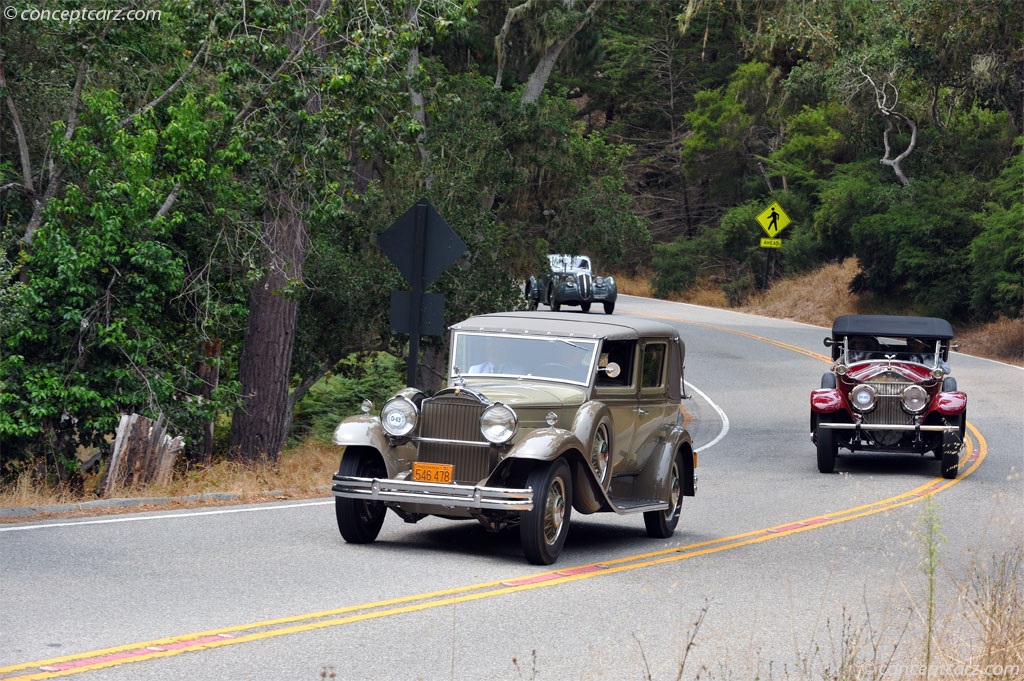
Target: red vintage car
889,390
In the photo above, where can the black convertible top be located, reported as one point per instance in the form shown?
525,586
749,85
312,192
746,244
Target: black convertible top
891,325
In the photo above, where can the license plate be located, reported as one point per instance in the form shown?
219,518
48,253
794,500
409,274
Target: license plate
432,472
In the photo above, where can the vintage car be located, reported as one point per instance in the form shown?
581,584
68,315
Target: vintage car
570,281
889,390
542,414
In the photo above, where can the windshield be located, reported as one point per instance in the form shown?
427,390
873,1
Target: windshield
560,359
927,351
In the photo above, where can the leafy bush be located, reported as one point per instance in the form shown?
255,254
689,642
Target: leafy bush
360,376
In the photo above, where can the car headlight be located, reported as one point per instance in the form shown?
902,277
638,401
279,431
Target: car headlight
570,280
915,398
863,397
498,423
399,416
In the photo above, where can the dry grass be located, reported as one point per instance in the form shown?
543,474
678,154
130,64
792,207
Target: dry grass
814,298
635,285
301,471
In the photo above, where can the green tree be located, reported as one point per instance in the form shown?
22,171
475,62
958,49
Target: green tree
997,254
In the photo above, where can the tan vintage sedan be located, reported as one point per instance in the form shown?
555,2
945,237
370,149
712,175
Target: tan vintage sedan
542,414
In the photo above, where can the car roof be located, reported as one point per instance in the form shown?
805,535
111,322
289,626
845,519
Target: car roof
567,324
891,325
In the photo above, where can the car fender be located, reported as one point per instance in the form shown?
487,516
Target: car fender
546,444
365,430
827,401
950,404
533,289
654,479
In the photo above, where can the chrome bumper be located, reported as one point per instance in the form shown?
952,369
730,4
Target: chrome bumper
883,426
433,494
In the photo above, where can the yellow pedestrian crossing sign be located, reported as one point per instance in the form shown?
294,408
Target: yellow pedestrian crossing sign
773,219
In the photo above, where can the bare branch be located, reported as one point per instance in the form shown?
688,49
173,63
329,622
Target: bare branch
165,209
539,78
174,86
19,134
511,16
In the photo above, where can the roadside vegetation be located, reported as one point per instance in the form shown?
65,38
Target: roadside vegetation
189,209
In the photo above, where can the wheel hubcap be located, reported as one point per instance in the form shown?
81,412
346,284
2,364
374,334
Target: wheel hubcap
554,512
599,454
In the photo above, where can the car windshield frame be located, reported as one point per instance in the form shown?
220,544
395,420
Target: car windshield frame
893,348
549,358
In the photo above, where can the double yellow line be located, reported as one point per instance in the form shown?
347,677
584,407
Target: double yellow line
255,631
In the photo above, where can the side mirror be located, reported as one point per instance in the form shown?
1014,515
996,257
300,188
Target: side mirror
612,370
829,342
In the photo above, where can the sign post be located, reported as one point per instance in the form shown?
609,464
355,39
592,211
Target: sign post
773,220
421,245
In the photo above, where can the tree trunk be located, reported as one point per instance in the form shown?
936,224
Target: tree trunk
259,426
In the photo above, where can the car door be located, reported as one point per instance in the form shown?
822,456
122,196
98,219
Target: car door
654,411
619,394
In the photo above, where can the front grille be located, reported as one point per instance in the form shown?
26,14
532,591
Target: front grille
586,284
889,409
456,418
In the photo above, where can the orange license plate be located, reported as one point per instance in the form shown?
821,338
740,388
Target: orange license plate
432,472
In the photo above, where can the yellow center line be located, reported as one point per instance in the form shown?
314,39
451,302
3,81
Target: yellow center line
254,631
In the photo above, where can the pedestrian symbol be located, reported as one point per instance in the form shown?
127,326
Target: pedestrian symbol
773,219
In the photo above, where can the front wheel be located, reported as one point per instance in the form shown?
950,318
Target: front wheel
543,530
825,438
952,443
359,521
609,307
661,524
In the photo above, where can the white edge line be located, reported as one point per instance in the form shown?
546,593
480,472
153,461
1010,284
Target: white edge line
721,414
192,514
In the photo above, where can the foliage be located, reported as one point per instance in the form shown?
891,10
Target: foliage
360,376
107,321
916,246
134,192
997,254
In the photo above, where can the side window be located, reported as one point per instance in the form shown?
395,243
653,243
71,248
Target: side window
653,375
622,353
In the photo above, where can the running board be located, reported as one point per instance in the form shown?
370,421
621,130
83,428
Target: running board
625,506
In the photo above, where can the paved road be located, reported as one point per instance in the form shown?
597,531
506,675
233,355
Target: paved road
779,563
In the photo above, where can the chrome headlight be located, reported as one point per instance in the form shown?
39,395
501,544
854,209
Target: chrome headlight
915,398
498,423
570,280
399,416
863,397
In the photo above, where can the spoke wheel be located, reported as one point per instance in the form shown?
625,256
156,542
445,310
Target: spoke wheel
359,521
543,530
601,454
661,524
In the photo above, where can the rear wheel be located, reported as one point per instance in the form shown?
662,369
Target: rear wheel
543,530
360,521
661,524
825,438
